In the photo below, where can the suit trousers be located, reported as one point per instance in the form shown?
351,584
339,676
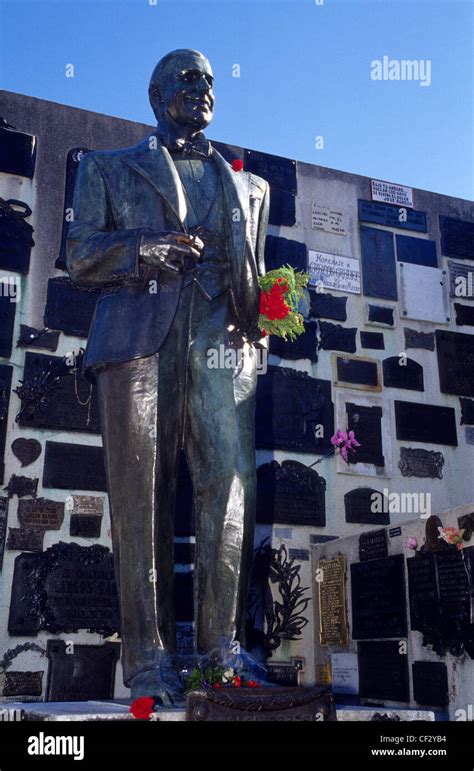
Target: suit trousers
149,409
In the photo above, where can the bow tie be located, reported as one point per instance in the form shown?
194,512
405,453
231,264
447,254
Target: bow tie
200,147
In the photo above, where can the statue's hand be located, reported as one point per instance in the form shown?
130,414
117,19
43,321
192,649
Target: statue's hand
171,251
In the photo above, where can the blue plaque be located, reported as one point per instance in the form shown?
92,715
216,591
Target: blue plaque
379,274
457,238
419,251
392,216
285,251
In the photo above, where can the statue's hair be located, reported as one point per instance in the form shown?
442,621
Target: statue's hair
161,70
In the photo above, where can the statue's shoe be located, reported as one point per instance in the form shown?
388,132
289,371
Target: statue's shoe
167,688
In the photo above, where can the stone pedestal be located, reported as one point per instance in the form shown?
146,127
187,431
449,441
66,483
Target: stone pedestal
260,704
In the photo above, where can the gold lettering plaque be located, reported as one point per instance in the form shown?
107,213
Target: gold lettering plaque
333,629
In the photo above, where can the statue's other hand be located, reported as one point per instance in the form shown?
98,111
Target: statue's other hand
172,251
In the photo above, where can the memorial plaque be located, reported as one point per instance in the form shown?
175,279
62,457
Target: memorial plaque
238,705
327,306
388,192
17,152
401,372
455,362
373,545
425,423
25,539
359,508
457,238
394,532
282,673
383,672
85,526
16,237
356,372
184,596
433,304
304,347
461,280
392,216
422,590
7,322
294,411
380,315
74,467
430,683
74,157
279,172
63,589
379,275
302,555
85,505
333,628
290,493
374,340
3,527
415,339
86,674
37,338
23,683
366,422
345,673
41,513
284,251
418,251
333,271
66,399
467,411
336,337
26,450
421,463
282,208
21,486
69,308
464,315
328,220
378,599
454,584
469,434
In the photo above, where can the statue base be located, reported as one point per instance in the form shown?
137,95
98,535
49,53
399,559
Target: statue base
260,704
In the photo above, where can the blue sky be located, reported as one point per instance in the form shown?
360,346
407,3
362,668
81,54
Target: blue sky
304,72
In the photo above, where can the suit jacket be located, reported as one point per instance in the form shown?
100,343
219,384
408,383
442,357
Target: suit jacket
119,195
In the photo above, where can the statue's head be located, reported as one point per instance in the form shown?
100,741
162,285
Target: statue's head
181,86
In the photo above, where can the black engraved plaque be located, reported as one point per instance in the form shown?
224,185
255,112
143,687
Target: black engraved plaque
85,674
26,450
16,237
425,423
21,486
85,526
422,590
392,216
372,340
464,315
23,683
282,208
461,278
378,599
357,372
455,362
381,314
279,172
338,338
63,589
7,322
3,526
418,251
69,308
74,467
379,274
401,372
383,671
360,508
373,545
17,152
290,493
276,704
366,422
467,411
304,347
69,403
74,158
37,338
294,411
327,306
41,513
430,683
415,339
283,674
457,238
285,251
25,539
421,463
5,386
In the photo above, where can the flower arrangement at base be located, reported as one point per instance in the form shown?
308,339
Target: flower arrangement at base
281,292
218,677
452,535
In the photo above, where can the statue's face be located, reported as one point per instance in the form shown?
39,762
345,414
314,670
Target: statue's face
187,92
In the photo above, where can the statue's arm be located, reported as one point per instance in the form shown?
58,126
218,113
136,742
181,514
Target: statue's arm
97,253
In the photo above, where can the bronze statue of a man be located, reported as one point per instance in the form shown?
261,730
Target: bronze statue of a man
174,238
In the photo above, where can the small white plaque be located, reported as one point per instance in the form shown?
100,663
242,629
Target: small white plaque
331,271
345,673
387,192
328,220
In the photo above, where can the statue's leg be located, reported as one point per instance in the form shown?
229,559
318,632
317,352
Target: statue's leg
220,447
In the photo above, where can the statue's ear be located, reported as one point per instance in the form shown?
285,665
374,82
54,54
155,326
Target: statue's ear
154,95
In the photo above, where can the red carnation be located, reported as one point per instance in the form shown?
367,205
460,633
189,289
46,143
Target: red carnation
252,684
237,164
272,303
142,708
237,681
217,685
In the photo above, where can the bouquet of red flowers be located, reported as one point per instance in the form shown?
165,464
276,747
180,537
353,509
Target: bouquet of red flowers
282,290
